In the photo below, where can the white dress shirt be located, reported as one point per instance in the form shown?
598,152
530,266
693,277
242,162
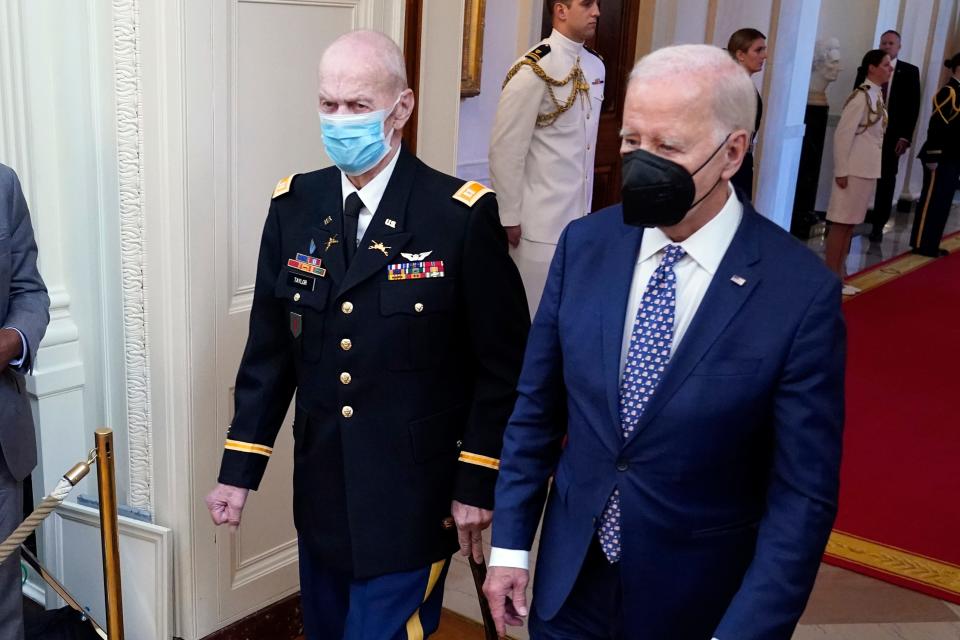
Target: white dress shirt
704,251
371,194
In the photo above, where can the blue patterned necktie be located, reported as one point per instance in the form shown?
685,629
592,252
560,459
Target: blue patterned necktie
647,357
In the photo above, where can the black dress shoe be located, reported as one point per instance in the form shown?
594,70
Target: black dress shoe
939,253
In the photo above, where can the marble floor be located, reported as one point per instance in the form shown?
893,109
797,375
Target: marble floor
844,606
896,240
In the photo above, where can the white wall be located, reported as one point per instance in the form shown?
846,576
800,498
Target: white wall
477,113
679,22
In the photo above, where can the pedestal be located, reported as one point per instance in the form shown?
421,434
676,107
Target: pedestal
808,176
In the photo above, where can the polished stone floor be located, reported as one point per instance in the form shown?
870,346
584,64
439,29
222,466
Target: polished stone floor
896,240
844,606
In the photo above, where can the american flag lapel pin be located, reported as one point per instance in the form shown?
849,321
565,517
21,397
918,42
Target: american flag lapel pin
738,280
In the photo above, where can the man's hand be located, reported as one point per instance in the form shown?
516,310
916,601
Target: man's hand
841,182
902,145
471,521
11,347
506,591
225,504
513,235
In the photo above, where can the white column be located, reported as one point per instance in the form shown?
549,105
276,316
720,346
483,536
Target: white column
784,111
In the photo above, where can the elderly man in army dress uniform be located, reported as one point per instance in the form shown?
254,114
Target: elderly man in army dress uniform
385,297
544,139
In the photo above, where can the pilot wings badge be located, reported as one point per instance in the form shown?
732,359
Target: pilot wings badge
416,257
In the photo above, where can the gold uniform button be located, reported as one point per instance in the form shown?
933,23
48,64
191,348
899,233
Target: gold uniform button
296,297
347,308
346,378
347,412
418,307
346,344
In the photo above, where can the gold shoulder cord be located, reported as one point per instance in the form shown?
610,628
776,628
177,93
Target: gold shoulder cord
580,88
951,101
874,113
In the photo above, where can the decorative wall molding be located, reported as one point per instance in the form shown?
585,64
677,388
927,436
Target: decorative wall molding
146,562
246,571
126,54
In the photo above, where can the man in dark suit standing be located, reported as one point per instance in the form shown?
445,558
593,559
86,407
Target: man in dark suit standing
902,97
24,313
683,384
385,297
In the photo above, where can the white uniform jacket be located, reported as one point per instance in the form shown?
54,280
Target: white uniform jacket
858,140
544,175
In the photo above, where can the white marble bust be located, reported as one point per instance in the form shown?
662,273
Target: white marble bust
826,68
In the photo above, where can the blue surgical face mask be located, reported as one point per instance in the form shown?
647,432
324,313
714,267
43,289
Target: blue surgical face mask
356,142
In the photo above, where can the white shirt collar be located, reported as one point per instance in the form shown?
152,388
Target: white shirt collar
708,244
893,62
372,193
564,43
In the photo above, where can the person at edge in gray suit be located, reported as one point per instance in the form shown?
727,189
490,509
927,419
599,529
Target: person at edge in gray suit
24,313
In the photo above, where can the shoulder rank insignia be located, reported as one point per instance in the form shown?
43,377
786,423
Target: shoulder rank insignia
537,54
471,192
284,185
594,52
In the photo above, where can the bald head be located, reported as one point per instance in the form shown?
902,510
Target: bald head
366,57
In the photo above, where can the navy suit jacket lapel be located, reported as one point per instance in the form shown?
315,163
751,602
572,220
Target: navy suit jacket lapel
719,306
617,274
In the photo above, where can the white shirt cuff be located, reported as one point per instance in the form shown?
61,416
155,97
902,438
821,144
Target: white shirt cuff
16,364
516,558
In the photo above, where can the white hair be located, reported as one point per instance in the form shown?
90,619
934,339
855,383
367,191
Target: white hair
734,97
382,49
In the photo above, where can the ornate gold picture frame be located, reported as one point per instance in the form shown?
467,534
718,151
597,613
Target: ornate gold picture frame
472,48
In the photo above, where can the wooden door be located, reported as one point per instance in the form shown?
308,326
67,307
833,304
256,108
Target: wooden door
616,41
250,108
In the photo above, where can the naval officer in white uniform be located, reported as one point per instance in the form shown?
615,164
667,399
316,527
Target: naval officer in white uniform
544,139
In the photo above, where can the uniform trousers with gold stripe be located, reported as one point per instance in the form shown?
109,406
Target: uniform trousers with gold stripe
933,208
396,606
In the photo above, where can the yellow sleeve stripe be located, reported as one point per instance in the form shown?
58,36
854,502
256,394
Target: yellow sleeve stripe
247,447
480,461
471,192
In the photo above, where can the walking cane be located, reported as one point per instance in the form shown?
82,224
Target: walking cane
479,571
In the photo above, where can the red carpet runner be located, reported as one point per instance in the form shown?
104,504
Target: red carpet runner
900,481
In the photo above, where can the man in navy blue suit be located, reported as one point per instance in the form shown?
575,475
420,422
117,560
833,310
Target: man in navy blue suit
683,385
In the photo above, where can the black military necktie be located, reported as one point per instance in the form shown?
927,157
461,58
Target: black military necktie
351,215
